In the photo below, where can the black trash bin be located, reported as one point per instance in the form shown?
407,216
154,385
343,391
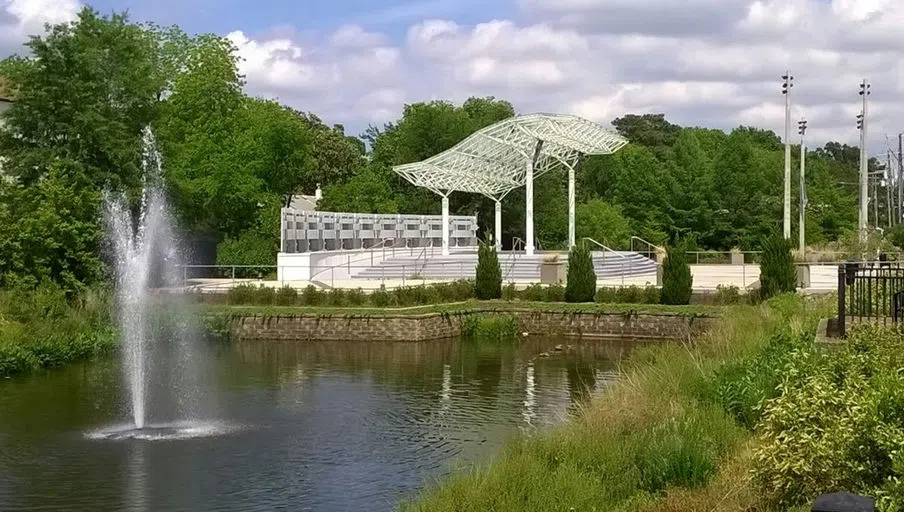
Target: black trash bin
843,502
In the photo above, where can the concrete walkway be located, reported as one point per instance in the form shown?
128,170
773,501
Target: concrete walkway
707,278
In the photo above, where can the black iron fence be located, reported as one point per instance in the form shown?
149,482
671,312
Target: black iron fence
870,292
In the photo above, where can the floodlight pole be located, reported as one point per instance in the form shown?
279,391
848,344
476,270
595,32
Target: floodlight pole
864,179
802,245
498,225
446,224
787,84
571,207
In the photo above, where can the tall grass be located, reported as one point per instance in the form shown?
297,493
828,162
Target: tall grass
660,431
43,327
494,328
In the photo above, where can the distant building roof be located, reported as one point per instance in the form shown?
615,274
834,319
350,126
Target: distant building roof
304,203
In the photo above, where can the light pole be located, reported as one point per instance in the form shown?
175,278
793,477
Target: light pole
787,84
802,130
864,178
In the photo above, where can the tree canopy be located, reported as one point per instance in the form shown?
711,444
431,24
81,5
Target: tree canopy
87,89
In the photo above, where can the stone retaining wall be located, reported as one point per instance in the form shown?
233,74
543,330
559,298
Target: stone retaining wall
318,327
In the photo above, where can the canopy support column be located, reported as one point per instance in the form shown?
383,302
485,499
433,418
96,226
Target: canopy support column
529,208
571,207
498,225
445,225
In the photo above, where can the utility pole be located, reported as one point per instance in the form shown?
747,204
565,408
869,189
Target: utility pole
900,179
876,201
864,177
802,244
787,84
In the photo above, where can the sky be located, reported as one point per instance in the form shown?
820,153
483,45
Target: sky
713,63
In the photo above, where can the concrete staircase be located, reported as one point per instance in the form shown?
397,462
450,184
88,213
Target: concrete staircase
515,266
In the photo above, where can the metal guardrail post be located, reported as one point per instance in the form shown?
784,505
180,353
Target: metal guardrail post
842,283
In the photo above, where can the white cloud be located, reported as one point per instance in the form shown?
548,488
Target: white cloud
20,18
706,62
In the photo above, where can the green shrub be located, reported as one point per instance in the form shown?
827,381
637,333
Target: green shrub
488,280
356,297
380,297
581,279
629,295
509,292
534,293
776,268
463,289
677,281
286,296
742,387
25,303
250,248
606,295
243,294
728,295
650,295
336,297
555,293
895,235
312,296
264,296
837,422
489,327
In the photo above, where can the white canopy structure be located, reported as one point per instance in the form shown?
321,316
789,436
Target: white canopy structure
497,159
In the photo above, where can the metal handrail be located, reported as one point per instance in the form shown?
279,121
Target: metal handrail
511,266
370,253
605,248
424,254
650,245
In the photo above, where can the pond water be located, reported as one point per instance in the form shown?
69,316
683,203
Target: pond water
300,426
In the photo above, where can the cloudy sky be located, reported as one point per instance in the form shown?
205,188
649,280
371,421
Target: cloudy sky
712,63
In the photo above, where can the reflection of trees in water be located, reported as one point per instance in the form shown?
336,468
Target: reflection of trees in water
418,366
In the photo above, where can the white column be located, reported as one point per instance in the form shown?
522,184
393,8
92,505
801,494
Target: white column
802,245
570,207
498,225
445,225
529,208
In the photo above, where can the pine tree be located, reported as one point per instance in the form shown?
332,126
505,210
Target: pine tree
777,267
677,281
488,281
581,280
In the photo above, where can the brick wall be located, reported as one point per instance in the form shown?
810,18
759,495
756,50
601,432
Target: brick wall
312,327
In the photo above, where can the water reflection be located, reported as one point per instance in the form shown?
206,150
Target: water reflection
326,426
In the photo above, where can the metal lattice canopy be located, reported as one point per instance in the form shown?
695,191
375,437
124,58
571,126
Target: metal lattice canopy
494,160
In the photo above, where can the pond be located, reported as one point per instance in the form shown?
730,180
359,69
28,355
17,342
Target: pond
305,426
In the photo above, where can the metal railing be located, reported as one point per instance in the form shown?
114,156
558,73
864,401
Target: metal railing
652,248
605,249
870,292
516,242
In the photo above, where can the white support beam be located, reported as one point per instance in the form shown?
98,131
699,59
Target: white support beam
498,225
529,207
445,225
571,207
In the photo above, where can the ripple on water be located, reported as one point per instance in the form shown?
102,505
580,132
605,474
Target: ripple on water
176,431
